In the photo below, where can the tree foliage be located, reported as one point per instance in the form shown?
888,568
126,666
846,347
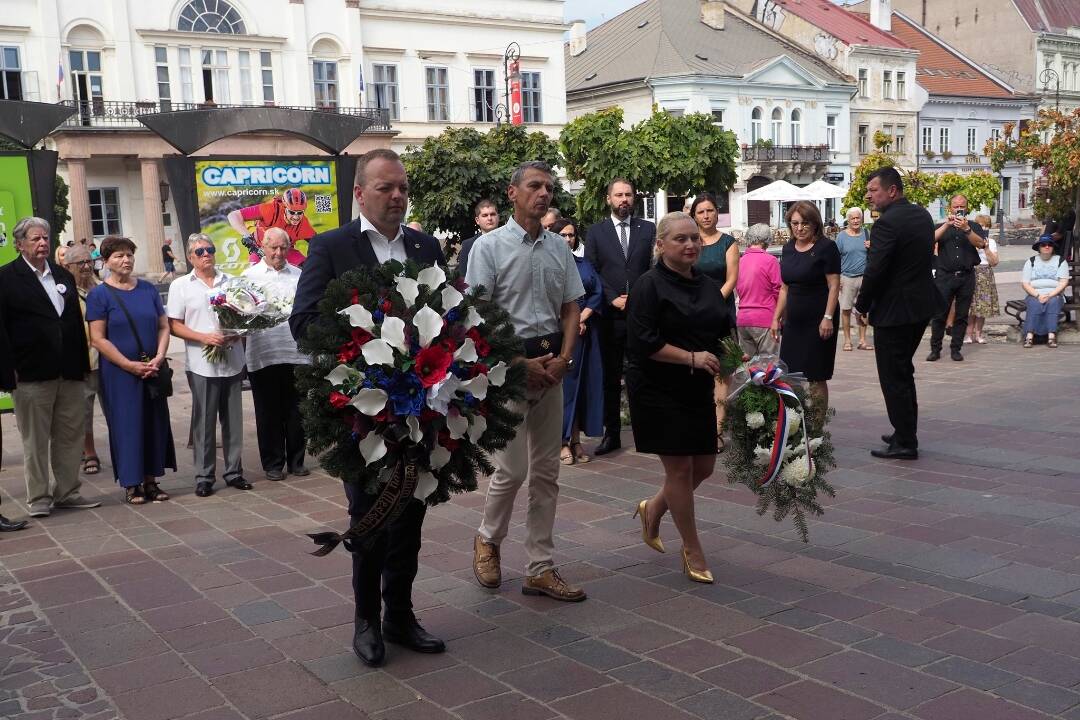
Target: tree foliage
1051,143
923,188
663,152
453,171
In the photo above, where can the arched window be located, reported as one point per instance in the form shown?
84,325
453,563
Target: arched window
796,127
210,16
755,125
777,129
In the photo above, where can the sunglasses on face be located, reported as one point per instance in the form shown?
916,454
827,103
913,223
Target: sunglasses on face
569,234
200,251
294,213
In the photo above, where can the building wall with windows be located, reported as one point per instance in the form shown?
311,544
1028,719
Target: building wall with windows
431,63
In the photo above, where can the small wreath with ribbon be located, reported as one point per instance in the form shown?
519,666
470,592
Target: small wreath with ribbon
409,389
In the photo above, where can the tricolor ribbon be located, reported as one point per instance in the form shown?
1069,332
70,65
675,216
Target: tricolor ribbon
769,376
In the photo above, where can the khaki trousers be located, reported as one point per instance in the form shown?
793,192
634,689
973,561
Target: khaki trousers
533,454
51,416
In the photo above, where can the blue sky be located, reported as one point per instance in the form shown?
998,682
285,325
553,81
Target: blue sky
594,12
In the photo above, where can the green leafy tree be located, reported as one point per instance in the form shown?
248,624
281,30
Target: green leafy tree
867,167
663,152
453,171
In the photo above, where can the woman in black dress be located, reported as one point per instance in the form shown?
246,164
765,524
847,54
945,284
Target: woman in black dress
676,318
810,270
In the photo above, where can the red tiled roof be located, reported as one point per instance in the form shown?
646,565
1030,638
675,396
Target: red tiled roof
841,24
941,70
1050,15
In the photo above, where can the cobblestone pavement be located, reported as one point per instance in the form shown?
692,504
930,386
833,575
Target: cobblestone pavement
944,589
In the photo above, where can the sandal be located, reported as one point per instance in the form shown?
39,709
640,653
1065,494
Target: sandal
1029,341
153,492
864,346
566,457
134,495
981,340
1051,340
579,455
849,348
91,465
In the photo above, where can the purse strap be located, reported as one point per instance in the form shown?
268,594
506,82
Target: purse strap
131,322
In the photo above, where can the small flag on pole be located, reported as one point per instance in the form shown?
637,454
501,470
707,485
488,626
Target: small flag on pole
59,75
361,80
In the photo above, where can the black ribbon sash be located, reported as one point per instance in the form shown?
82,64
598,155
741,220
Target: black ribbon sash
389,504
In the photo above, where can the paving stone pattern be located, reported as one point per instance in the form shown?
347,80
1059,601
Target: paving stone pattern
943,589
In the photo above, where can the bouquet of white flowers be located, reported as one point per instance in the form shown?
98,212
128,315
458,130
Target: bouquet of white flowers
242,306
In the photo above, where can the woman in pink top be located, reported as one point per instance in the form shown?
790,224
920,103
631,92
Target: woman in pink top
758,288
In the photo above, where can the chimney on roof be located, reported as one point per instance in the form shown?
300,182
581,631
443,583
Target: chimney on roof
577,37
712,13
881,14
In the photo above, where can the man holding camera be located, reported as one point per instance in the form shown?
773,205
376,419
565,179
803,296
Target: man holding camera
958,244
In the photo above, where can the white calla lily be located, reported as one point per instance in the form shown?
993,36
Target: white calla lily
458,425
415,434
472,318
451,298
372,447
359,317
429,324
432,276
477,427
408,288
341,373
478,386
378,352
467,351
497,374
439,457
369,401
425,485
441,393
393,332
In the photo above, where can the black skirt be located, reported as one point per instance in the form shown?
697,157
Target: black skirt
672,410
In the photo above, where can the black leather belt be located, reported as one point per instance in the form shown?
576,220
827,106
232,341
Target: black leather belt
540,346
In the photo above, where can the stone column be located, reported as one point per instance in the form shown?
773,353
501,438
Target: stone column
154,230
79,200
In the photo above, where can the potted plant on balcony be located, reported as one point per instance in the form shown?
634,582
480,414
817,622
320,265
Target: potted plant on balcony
946,154
929,154
764,143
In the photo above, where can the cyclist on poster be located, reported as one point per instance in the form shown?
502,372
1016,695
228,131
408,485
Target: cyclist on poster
285,212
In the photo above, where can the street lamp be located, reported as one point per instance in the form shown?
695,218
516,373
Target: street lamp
502,110
1046,77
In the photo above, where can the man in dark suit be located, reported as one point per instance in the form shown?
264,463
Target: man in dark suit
486,216
377,236
44,330
620,248
7,381
899,295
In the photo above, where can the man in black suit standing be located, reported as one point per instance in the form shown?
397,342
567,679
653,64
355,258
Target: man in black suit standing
899,295
486,216
620,248
386,572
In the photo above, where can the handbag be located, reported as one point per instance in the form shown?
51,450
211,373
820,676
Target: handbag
159,386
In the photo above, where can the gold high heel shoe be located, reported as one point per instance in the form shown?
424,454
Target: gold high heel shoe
701,576
655,543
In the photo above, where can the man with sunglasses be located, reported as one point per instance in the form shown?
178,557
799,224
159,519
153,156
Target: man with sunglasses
285,212
215,386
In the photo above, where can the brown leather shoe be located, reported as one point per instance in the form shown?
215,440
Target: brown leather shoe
485,563
550,583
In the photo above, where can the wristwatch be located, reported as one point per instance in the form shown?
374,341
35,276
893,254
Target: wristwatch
828,317
568,360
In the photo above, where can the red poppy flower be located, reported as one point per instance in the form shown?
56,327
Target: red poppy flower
478,369
450,345
355,297
428,415
339,400
431,364
386,306
483,349
347,353
360,336
447,442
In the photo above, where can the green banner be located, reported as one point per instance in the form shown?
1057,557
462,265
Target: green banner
260,194
15,203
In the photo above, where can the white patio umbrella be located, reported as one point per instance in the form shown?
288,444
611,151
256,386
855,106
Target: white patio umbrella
822,190
780,190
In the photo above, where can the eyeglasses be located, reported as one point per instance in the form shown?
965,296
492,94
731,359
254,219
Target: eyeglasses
568,235
200,251
796,224
83,263
293,213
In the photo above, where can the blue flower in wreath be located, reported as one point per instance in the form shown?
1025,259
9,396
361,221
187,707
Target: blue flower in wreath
375,377
378,316
453,316
406,394
459,372
470,400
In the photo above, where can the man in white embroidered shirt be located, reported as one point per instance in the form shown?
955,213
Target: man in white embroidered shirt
531,273
272,357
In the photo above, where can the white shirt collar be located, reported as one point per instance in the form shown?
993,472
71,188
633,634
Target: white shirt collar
365,225
288,268
218,276
615,221
48,270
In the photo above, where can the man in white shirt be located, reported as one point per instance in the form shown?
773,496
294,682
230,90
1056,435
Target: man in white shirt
272,357
215,386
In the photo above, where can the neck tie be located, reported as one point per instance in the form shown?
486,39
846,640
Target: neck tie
623,240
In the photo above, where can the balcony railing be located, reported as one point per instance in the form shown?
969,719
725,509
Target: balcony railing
785,153
113,114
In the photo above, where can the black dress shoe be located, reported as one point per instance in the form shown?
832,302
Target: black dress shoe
411,635
933,356
367,643
896,452
608,444
300,471
239,483
204,488
957,356
275,475
11,525
887,439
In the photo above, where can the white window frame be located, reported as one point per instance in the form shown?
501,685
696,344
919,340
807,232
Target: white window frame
972,141
863,139
532,113
886,85
187,82
901,85
776,126
243,63
796,126
718,117
944,140
831,122
757,125
392,91
164,86
437,94
118,228
900,139
16,70
266,76
220,92
864,83
927,139
325,86
484,96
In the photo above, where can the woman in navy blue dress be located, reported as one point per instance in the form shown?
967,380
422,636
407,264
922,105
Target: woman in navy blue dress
140,438
583,385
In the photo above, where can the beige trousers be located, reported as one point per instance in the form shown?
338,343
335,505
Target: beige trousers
533,454
51,416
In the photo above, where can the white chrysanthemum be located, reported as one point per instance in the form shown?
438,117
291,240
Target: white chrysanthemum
796,472
755,420
762,455
794,419
815,443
